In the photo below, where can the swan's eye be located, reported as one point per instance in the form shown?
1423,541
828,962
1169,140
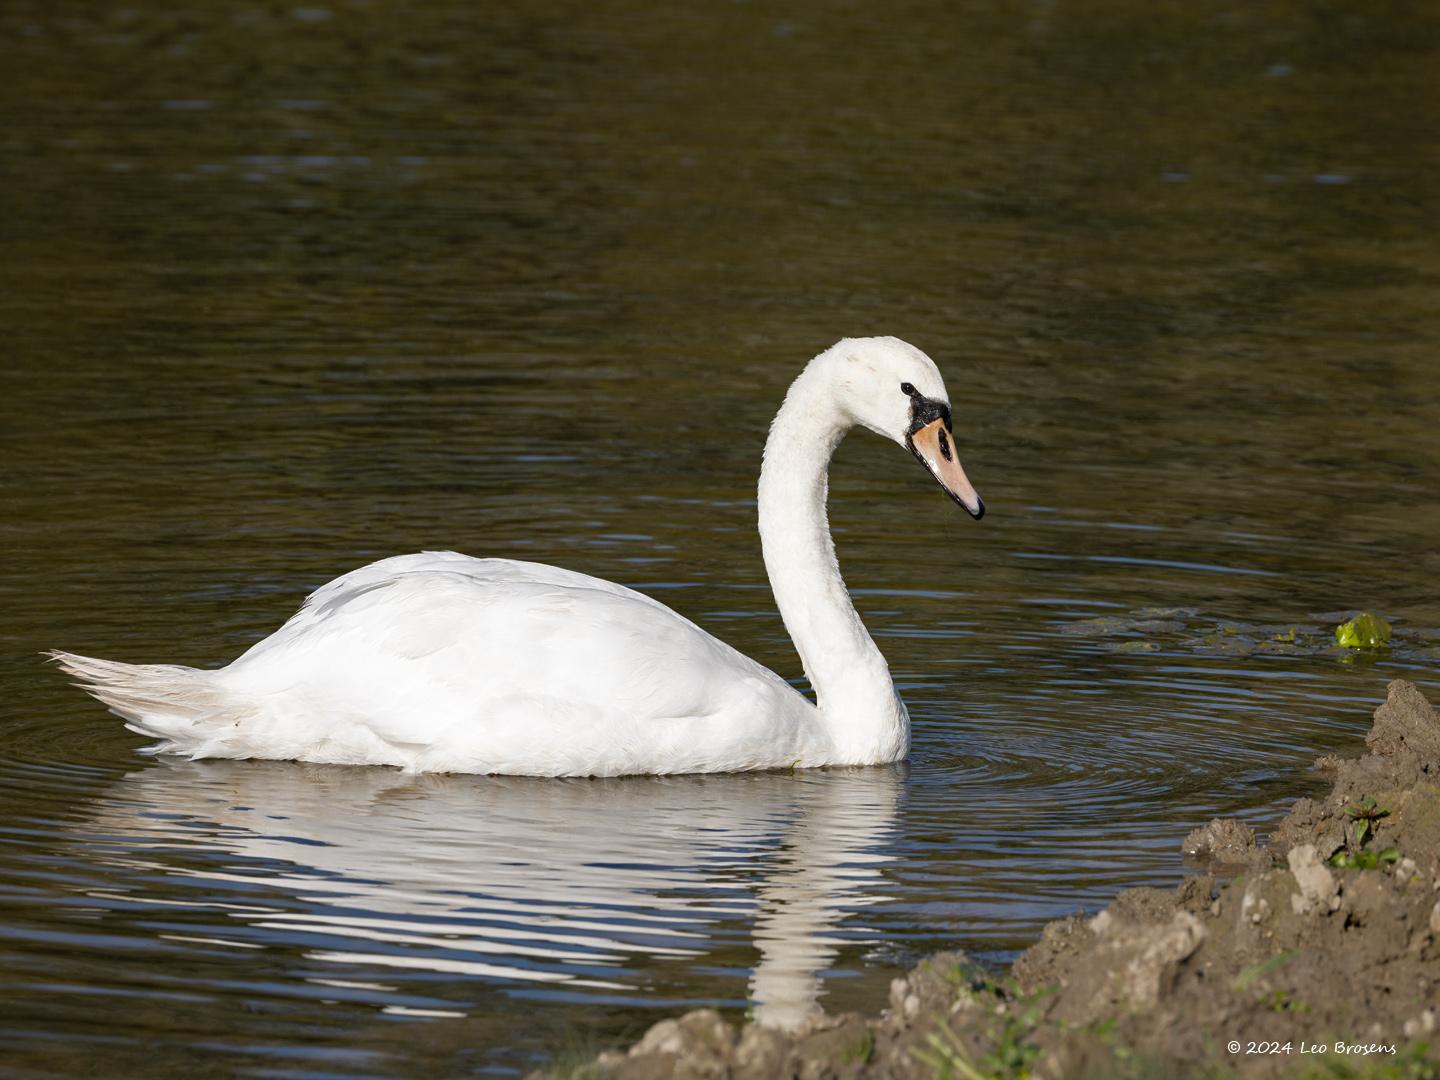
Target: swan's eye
907,389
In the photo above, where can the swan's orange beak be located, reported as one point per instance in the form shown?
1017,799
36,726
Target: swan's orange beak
935,447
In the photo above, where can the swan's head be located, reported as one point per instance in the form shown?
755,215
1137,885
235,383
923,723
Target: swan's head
895,390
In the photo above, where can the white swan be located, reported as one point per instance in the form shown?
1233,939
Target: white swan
445,663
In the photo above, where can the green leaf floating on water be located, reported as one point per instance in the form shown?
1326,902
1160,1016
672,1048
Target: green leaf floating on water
1365,631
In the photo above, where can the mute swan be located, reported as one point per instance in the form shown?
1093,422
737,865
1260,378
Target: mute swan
441,662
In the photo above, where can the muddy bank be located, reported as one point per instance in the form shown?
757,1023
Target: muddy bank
1320,958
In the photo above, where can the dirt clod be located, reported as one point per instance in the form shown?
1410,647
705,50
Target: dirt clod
1224,840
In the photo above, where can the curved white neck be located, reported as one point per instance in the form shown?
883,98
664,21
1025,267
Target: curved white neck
859,708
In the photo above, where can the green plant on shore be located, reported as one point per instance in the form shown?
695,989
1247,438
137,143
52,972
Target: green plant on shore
1363,817
947,1057
1011,1054
1280,1001
1365,860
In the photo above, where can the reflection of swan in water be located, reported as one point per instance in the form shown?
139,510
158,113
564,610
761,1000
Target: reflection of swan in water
579,884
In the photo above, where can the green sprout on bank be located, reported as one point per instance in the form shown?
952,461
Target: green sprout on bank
948,1058
1365,860
1280,1001
1363,817
1012,1019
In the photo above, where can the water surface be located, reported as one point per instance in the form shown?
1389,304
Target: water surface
286,289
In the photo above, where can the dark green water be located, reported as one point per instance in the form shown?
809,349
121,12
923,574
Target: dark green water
285,289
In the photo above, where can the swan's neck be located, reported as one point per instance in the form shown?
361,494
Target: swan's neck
864,717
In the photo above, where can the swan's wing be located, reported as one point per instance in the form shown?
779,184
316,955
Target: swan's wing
491,665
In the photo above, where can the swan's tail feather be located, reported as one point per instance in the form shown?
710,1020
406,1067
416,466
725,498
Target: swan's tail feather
183,707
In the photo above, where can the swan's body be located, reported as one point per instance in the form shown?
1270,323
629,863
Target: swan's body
442,662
